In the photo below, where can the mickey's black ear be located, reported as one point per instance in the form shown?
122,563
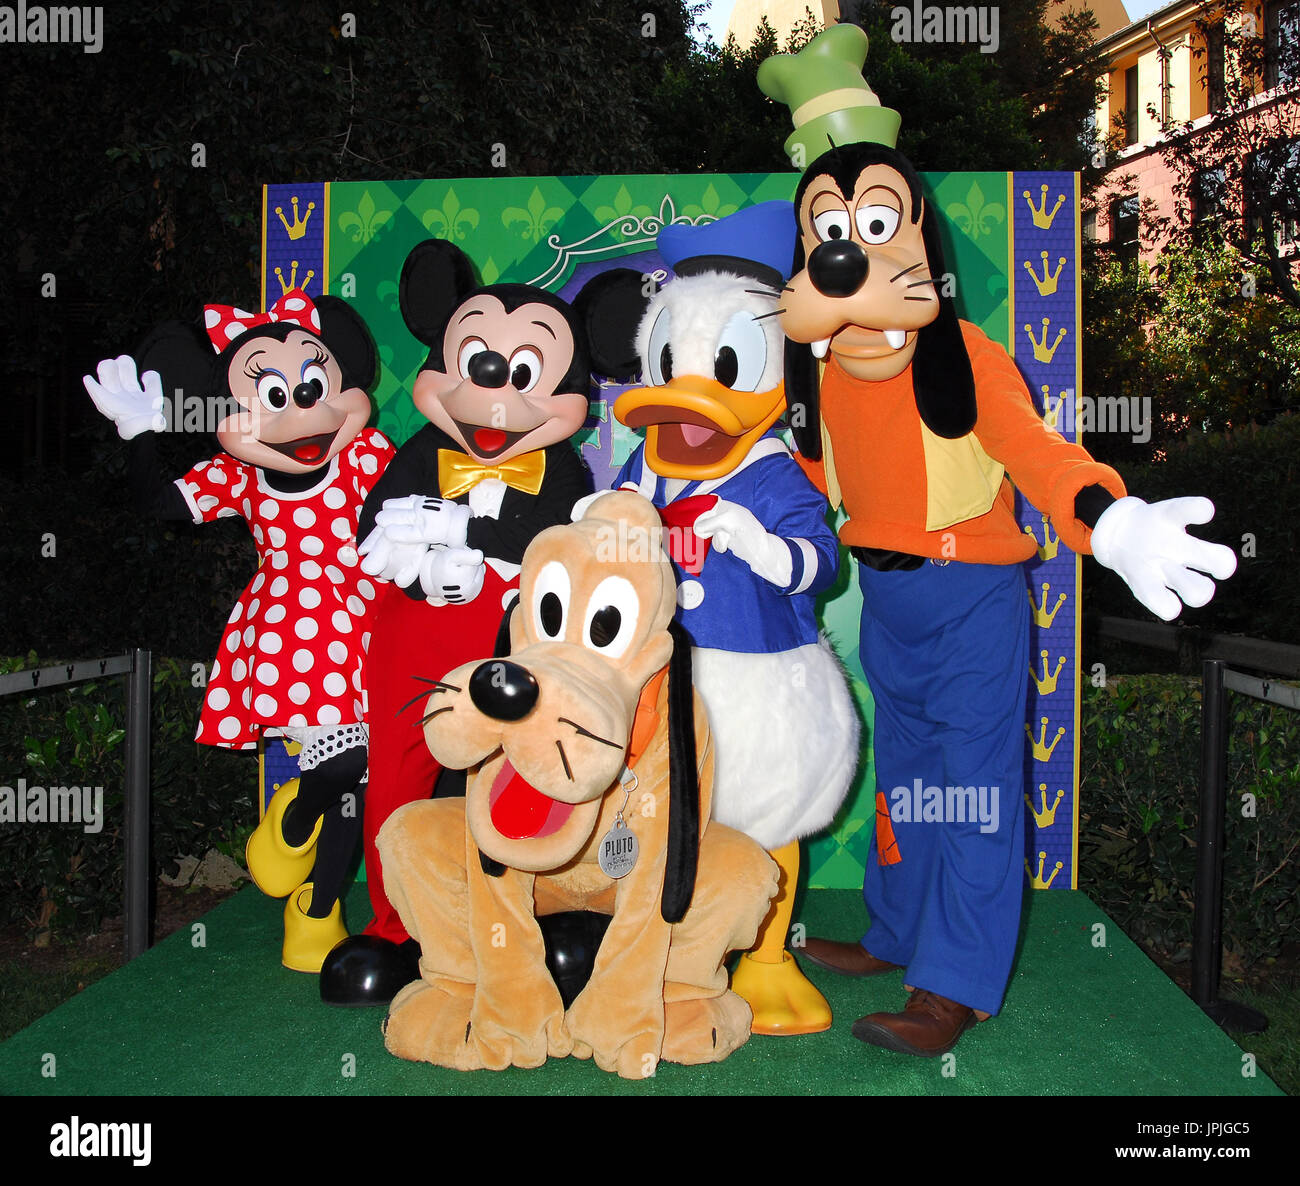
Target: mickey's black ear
610,307
683,784
435,278
942,380
345,333
183,357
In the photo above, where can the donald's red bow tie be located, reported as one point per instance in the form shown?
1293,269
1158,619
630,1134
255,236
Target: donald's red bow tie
684,546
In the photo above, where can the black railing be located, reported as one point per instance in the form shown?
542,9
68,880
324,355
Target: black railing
138,669
1266,661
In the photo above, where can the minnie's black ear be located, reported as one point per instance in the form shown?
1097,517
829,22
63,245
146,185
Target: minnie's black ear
942,381
683,783
184,358
435,279
610,307
346,334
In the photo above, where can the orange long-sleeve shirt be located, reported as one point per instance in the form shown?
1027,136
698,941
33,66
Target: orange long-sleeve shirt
900,484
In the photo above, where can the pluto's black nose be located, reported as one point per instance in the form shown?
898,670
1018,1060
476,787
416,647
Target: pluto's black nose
503,690
837,267
489,369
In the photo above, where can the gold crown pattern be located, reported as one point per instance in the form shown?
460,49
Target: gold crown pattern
1044,816
1043,751
1048,548
1046,683
1047,284
1042,351
1036,880
289,285
298,228
1042,616
1042,219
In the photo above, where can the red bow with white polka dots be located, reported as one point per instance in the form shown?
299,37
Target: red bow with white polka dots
225,323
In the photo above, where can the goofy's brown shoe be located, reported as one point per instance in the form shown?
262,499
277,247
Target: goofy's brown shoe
928,1026
848,959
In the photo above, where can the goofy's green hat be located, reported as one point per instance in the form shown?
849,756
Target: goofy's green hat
829,100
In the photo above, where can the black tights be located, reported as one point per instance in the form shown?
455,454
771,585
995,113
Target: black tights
331,792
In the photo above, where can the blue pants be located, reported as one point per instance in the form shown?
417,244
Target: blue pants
945,649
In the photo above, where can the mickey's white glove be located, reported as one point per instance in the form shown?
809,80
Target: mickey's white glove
734,529
134,406
1148,545
452,575
383,557
416,519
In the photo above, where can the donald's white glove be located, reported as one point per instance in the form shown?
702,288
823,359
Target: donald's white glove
452,575
132,405
416,519
382,557
733,528
1148,545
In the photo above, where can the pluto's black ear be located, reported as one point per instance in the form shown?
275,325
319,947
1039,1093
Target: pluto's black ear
942,381
184,358
610,307
345,333
500,651
436,278
683,783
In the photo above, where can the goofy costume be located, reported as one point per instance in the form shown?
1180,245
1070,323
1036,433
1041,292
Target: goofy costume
918,427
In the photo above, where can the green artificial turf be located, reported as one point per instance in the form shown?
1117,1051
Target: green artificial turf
210,1011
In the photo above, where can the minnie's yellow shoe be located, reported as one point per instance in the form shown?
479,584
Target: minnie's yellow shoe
277,868
784,1001
307,940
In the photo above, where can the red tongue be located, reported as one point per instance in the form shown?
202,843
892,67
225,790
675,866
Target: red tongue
307,452
489,440
521,812
695,434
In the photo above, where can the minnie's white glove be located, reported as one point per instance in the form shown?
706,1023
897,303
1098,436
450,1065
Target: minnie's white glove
382,557
452,575
416,519
133,405
734,528
1148,545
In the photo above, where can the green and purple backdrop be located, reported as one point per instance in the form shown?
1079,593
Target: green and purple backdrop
1012,243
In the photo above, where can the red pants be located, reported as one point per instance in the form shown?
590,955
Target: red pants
413,638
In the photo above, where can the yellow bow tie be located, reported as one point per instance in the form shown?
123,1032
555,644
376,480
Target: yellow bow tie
458,472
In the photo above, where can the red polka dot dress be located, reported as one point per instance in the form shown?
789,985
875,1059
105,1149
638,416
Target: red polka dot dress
294,648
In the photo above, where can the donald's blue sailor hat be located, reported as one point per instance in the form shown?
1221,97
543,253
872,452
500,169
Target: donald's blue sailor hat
758,241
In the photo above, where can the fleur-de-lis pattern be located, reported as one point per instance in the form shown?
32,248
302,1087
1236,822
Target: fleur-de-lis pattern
557,231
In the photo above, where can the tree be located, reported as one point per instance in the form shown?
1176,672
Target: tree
1240,171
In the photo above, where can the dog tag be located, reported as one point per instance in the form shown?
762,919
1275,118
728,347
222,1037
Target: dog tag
618,850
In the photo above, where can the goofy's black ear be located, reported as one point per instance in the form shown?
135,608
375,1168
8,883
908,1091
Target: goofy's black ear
346,334
803,409
610,307
183,357
683,783
436,278
942,381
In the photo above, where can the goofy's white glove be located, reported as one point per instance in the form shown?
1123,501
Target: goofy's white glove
1148,545
382,557
416,519
132,404
452,575
735,529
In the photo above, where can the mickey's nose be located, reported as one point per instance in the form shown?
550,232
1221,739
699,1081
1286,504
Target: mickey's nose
837,267
489,369
503,690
